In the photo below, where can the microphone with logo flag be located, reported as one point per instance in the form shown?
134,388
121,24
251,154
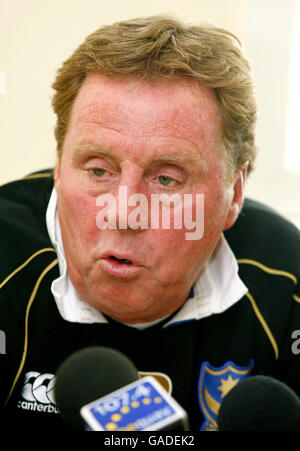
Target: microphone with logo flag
99,389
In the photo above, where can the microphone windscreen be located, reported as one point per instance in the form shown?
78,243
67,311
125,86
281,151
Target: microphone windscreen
87,375
260,403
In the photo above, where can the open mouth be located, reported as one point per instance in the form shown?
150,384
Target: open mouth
121,267
121,260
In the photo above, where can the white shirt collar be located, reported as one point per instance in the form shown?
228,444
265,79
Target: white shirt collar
217,288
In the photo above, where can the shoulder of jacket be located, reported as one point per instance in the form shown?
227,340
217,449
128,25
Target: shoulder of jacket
23,230
262,235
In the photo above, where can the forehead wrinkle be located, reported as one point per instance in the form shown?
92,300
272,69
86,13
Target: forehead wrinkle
119,118
182,156
157,130
98,103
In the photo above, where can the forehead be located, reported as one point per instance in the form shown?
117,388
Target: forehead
182,108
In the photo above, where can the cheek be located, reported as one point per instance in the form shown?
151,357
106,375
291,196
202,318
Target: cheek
77,212
200,222
173,253
217,205
180,260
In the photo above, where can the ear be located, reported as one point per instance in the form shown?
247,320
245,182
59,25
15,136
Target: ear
57,174
237,197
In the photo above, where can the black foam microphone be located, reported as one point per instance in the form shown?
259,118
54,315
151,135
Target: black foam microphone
99,388
87,375
260,403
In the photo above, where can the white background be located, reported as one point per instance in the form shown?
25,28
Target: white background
37,36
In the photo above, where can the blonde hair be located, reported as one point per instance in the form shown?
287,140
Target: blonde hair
160,46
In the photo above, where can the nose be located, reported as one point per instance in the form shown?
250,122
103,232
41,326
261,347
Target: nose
132,203
128,209
131,208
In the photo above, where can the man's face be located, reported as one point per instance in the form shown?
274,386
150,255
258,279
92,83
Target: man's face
153,138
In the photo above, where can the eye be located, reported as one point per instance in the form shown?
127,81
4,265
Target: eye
165,180
98,172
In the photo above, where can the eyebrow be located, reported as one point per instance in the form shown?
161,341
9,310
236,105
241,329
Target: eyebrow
83,147
161,157
181,157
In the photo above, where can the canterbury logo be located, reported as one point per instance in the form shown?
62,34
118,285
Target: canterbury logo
38,392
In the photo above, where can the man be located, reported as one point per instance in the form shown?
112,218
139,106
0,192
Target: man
150,112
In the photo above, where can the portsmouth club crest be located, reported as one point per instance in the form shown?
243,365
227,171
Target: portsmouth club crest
214,384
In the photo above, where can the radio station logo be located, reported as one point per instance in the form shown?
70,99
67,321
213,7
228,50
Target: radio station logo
141,405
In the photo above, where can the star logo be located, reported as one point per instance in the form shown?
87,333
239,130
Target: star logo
227,385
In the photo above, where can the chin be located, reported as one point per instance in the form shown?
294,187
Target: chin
122,307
